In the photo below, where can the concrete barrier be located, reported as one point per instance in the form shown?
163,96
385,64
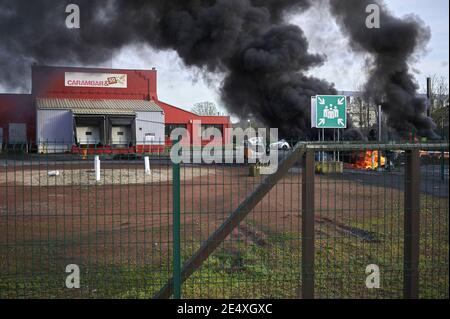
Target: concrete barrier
329,168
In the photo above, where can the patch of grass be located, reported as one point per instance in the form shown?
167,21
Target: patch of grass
242,269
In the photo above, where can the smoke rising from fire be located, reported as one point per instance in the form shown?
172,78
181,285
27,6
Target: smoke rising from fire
392,47
264,59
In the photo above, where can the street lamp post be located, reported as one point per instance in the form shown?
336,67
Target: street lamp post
380,136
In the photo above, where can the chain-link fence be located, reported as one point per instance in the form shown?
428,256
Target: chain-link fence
323,225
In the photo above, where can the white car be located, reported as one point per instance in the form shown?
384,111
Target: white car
255,141
281,145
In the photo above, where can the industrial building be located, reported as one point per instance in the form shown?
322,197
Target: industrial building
102,110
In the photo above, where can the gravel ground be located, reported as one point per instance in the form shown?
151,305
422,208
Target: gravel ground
84,177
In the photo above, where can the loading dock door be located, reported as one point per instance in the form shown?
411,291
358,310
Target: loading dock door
88,135
17,133
121,136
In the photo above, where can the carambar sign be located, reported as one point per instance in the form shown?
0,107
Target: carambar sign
96,80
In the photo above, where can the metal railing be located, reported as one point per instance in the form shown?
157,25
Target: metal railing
221,231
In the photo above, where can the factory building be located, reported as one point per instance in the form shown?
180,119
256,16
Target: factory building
102,110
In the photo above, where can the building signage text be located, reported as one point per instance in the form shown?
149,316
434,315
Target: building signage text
96,80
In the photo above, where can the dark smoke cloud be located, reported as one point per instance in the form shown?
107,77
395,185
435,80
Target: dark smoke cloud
263,58
392,47
266,80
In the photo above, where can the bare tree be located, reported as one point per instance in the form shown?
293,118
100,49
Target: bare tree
439,100
364,111
363,105
205,109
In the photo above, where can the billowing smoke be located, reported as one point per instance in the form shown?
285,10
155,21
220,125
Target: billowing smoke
392,47
263,58
266,79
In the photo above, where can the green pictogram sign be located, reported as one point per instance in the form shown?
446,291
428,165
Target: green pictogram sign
331,111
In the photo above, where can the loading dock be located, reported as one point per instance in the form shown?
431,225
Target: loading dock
89,130
88,135
121,136
99,124
121,131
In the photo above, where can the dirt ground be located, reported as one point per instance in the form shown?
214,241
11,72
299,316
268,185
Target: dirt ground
127,218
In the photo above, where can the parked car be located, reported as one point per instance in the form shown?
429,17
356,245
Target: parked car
255,142
280,145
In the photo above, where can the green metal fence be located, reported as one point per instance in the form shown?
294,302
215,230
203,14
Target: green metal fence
215,231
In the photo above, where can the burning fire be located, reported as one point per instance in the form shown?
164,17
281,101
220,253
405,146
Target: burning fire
369,160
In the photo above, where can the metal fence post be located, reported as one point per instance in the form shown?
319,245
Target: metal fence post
412,225
176,231
308,225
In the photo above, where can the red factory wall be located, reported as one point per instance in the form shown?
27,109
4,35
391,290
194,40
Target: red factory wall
17,108
175,115
49,82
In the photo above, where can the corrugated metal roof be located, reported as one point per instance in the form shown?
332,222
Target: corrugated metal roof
99,107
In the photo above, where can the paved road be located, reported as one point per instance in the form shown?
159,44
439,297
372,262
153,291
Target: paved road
431,183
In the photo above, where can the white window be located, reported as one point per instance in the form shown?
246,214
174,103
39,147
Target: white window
150,137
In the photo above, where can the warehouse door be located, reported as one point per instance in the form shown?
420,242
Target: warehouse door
88,135
121,136
17,134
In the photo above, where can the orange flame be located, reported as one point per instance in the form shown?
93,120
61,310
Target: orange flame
369,161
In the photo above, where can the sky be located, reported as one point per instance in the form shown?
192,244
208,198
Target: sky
346,70
184,87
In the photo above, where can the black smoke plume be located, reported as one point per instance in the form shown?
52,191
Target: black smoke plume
392,47
263,58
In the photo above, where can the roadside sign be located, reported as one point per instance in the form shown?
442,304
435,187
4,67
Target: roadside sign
331,111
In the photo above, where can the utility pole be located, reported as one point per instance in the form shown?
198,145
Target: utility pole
380,136
429,95
380,119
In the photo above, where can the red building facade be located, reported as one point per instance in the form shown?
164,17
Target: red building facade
17,109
